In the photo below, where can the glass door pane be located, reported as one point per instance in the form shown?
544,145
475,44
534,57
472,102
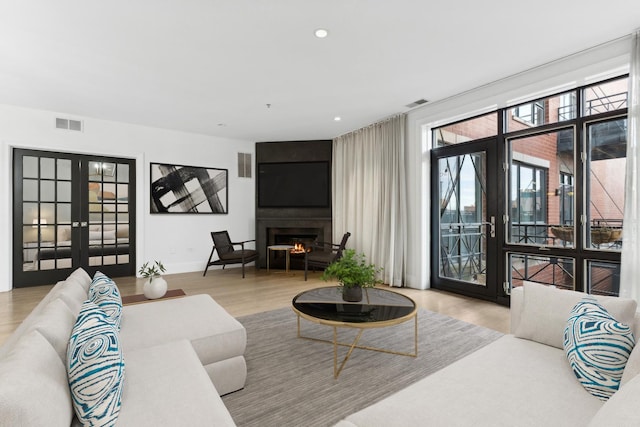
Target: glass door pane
108,204
607,154
547,270
46,199
541,189
463,223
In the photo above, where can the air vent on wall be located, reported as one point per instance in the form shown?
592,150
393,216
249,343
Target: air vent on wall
68,124
244,165
416,103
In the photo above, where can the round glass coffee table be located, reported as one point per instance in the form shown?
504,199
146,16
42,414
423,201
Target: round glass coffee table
379,308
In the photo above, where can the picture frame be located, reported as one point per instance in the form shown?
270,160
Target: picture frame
180,189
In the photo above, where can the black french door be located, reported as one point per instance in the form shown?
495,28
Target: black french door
465,230
71,211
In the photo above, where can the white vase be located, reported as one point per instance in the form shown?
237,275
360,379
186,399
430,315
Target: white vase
155,287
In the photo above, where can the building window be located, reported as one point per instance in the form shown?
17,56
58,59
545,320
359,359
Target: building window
563,159
466,130
528,204
565,192
605,97
532,113
567,108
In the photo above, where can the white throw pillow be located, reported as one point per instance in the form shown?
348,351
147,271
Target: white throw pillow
95,368
597,347
104,292
545,311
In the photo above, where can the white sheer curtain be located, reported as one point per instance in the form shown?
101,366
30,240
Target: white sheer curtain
629,282
369,194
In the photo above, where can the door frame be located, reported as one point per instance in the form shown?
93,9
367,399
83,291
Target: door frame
494,182
80,212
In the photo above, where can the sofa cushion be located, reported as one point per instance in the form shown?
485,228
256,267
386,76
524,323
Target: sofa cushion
621,409
228,375
55,323
510,382
597,347
34,391
105,294
214,333
545,311
95,367
80,277
73,294
167,386
632,369
70,291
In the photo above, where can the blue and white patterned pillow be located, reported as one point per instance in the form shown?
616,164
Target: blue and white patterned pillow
105,294
95,367
597,347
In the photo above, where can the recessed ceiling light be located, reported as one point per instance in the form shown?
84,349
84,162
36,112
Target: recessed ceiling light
337,118
321,33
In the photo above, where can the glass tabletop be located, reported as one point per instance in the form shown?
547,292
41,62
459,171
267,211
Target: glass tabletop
377,305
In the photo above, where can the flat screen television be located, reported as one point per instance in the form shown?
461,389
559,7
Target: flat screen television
294,185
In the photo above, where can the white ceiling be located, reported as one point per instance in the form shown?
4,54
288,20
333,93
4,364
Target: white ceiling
212,66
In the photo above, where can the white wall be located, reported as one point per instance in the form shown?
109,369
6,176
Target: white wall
607,60
182,242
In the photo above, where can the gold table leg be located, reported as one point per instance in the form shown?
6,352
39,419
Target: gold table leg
354,345
287,259
336,370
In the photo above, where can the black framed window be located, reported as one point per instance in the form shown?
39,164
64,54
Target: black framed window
563,160
532,113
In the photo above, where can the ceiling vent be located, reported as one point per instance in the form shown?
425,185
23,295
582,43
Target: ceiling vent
420,101
68,124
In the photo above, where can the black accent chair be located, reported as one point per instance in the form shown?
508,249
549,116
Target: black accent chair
320,257
226,252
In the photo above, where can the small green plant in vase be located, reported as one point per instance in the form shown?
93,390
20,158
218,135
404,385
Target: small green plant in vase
150,271
353,273
155,286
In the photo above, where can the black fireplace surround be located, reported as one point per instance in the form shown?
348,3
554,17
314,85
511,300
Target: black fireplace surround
295,224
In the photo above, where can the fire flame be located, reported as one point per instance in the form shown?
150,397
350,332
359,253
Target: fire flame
298,248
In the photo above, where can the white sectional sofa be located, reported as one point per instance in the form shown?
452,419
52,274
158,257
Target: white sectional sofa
180,355
521,379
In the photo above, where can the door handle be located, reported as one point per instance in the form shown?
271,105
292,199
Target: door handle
492,226
77,224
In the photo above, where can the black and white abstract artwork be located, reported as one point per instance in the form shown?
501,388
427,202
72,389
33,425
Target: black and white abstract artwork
188,189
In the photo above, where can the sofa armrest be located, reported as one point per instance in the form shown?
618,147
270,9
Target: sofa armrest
517,295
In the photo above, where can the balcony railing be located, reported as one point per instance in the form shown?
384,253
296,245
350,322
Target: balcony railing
604,234
606,103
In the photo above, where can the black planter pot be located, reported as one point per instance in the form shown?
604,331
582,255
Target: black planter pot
352,294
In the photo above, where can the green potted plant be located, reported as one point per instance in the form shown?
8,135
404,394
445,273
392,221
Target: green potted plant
155,286
354,273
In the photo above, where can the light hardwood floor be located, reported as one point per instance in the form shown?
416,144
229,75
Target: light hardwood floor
259,291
